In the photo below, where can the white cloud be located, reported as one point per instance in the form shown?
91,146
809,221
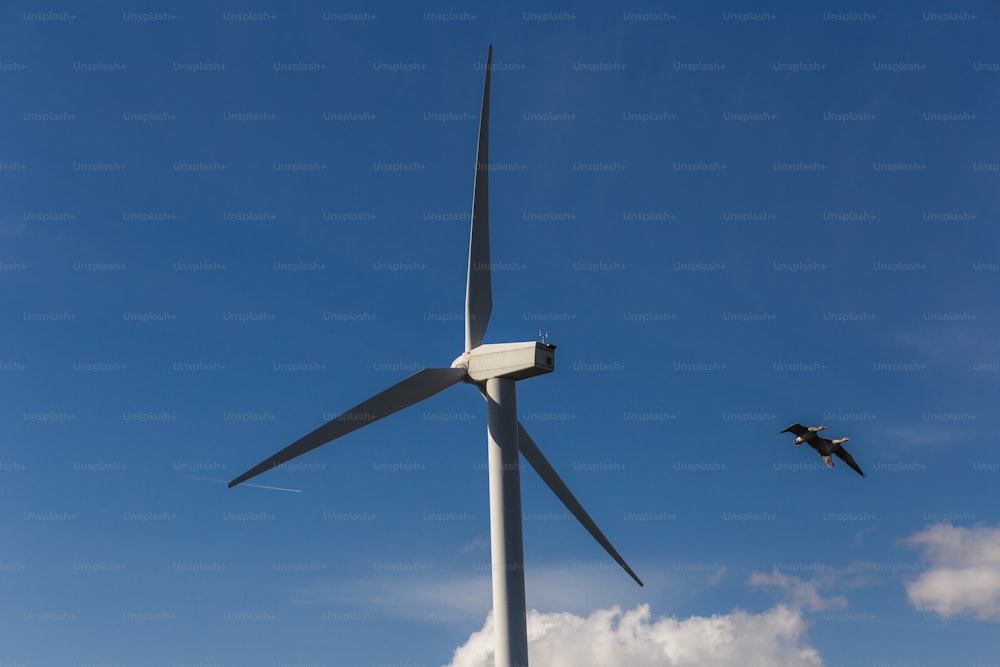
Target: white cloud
799,593
716,577
964,576
633,639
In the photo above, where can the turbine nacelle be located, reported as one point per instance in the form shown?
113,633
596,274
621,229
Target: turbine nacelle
517,361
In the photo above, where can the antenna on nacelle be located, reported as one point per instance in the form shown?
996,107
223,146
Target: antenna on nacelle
543,336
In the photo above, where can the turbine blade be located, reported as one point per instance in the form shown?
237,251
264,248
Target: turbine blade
478,289
412,390
545,470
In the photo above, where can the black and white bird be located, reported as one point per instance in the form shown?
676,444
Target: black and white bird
804,433
824,446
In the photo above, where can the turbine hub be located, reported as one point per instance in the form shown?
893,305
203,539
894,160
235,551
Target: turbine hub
461,361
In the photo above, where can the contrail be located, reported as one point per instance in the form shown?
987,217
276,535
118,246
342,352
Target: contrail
259,486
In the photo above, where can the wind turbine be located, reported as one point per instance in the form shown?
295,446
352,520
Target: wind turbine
493,369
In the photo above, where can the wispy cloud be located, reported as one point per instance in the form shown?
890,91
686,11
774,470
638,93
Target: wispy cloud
923,436
798,593
478,545
947,345
716,577
410,595
11,228
446,597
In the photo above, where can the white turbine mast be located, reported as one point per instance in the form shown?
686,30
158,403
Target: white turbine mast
493,369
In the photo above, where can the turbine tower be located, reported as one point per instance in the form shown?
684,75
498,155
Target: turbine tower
493,369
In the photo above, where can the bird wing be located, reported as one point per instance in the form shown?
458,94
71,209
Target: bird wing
846,457
821,445
797,429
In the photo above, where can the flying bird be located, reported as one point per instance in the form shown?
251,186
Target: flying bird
824,446
804,433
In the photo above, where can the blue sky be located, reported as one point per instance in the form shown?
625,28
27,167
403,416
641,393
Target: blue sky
220,227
